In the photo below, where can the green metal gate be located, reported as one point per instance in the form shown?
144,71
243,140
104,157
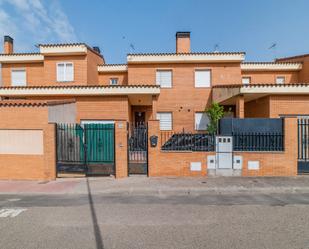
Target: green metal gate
87,149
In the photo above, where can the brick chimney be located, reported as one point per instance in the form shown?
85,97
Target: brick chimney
183,42
8,45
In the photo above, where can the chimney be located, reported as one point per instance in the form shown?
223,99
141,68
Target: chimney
97,49
183,42
8,45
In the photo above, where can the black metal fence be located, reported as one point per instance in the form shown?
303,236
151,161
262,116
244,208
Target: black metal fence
137,149
185,141
303,139
258,141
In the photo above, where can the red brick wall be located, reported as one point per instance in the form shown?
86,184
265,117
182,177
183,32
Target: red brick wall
121,147
270,76
271,163
34,73
104,108
289,105
183,99
104,78
303,75
172,163
275,163
29,167
93,60
259,108
50,67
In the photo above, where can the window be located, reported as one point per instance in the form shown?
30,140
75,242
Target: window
113,81
18,77
202,78
201,121
65,72
280,80
164,78
246,80
165,119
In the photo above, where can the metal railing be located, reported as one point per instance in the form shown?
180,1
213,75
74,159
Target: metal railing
258,141
185,141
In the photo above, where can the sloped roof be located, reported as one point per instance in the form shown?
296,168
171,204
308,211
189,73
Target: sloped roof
33,103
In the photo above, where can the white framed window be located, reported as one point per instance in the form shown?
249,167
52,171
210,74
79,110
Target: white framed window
165,119
18,77
202,78
201,121
65,72
280,80
113,81
164,78
246,80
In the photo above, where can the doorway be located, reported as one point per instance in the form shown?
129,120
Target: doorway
139,118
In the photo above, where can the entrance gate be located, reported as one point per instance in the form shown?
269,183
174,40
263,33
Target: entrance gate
138,149
303,146
87,149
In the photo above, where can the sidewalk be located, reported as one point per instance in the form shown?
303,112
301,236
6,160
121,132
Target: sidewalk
140,185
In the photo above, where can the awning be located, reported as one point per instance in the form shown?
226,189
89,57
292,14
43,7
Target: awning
225,94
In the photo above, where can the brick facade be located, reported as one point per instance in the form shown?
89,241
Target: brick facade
29,167
183,100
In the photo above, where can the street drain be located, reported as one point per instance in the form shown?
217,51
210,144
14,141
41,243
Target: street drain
44,182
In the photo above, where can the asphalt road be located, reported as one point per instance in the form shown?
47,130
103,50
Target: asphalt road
199,221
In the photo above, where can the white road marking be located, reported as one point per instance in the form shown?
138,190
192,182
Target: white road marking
10,212
13,199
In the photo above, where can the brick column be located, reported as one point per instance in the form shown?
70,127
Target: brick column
153,152
290,146
49,140
240,106
121,149
154,107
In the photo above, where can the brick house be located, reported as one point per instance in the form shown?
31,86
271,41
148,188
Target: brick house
173,88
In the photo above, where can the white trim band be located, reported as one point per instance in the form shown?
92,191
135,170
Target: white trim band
80,91
186,58
20,58
112,68
64,49
271,66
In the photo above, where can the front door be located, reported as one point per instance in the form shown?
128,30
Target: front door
139,118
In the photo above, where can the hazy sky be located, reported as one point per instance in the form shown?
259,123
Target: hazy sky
122,26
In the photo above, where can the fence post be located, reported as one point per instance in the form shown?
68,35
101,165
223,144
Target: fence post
121,149
153,152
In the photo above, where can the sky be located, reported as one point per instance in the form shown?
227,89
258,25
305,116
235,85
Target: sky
119,27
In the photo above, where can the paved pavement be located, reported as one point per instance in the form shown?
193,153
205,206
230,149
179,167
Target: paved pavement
163,185
88,217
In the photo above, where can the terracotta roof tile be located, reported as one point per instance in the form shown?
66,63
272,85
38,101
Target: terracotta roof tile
79,86
292,57
193,53
34,53
261,85
33,103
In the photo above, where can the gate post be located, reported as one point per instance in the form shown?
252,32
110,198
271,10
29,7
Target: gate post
121,149
153,152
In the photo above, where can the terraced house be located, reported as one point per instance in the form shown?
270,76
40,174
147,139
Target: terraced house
147,116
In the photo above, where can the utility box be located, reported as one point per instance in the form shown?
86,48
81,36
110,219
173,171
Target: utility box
237,162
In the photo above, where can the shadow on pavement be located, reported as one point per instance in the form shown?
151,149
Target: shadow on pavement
96,227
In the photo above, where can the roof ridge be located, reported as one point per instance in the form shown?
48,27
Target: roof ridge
27,53
292,57
261,84
116,64
191,53
78,86
269,62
